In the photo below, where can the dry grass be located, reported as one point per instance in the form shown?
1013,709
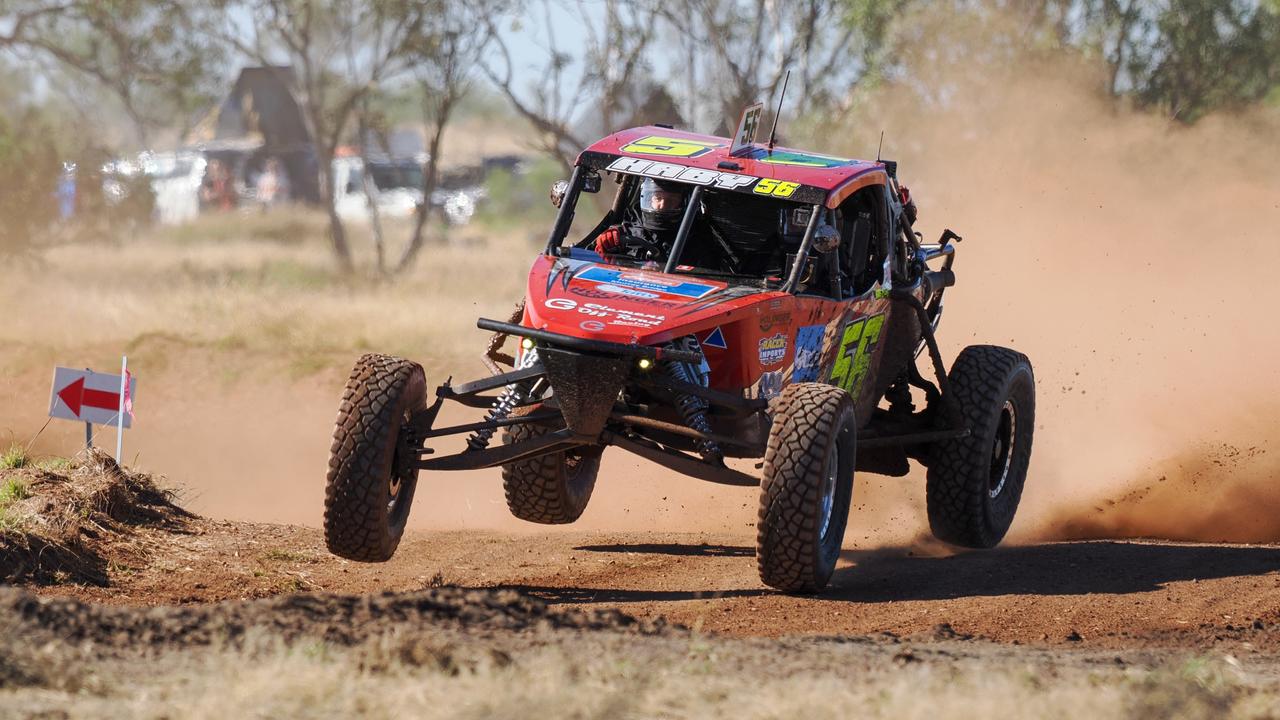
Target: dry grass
263,283
572,676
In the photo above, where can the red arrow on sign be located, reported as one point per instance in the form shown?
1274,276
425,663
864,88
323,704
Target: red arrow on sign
76,395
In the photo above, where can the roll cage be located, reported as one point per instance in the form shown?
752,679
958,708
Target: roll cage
896,257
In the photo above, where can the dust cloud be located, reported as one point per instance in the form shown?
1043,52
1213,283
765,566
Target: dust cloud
1132,259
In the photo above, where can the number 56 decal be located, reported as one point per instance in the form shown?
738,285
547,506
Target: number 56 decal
857,344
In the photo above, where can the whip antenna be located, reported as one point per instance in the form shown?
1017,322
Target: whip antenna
773,133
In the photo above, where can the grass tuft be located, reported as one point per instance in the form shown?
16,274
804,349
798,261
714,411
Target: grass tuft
13,490
15,457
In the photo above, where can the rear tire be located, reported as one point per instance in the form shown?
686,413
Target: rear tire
367,497
975,482
551,489
807,485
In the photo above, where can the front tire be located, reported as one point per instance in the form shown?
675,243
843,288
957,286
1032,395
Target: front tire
368,493
975,482
807,486
551,489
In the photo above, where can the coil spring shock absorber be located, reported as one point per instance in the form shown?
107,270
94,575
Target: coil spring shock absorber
510,398
694,409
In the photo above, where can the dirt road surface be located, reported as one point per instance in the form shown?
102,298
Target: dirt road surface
1103,593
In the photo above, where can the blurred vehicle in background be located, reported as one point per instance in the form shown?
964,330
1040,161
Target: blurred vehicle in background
396,189
175,180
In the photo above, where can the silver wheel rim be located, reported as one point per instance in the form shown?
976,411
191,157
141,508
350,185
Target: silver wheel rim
393,493
828,499
1002,449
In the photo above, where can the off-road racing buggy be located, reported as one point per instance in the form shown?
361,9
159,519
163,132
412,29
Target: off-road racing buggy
737,300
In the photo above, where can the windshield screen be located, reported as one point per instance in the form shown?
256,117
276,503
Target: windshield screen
731,234
388,176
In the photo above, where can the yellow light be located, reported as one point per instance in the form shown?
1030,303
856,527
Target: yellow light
645,363
527,344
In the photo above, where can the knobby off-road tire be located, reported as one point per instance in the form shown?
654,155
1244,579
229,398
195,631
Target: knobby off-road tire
807,485
551,489
974,483
367,497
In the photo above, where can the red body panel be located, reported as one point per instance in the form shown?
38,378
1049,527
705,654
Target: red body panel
753,339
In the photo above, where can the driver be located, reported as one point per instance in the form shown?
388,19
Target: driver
661,210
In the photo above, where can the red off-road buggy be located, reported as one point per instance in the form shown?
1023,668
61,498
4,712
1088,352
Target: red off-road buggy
774,309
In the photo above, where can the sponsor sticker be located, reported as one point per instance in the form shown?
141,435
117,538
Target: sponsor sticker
770,385
808,353
560,303
779,319
626,291
858,345
596,293
671,171
715,340
591,325
656,286
773,349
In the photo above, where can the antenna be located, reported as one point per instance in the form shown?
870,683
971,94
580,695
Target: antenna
773,133
880,146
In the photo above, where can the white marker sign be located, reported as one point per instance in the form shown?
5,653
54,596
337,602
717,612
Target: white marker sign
90,397
746,133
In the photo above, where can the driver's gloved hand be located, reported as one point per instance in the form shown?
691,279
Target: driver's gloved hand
609,241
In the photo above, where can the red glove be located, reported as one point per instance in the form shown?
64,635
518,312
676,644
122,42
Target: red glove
908,204
608,241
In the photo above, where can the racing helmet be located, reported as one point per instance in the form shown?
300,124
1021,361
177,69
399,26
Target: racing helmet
661,205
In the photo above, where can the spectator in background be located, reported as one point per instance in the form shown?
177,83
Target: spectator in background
66,191
272,185
218,191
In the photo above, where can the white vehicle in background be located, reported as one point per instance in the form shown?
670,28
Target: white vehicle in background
396,189
175,180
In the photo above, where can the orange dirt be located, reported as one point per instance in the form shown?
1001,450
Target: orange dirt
1110,594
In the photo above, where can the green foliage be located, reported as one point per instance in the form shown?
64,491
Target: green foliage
12,491
143,52
1204,55
1185,58
15,457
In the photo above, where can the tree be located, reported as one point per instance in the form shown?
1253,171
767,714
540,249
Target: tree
340,51
605,87
1185,58
1197,56
742,49
443,77
142,52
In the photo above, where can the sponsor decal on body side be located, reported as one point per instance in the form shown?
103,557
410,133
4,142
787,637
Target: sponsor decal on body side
773,349
858,344
808,353
781,319
770,385
611,315
716,340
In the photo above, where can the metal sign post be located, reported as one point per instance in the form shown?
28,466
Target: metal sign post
124,394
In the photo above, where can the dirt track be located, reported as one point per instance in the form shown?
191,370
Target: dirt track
1103,593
